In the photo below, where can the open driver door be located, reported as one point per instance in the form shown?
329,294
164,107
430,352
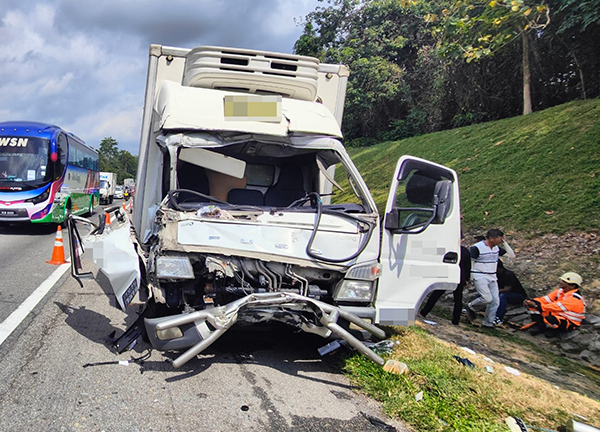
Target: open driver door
420,240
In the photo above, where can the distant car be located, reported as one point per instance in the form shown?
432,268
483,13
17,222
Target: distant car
119,191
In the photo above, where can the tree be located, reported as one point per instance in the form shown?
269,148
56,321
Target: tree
575,30
381,42
108,153
474,29
418,66
118,161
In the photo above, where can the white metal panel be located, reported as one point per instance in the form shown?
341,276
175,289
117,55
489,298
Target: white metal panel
114,254
214,161
412,264
203,109
331,89
283,233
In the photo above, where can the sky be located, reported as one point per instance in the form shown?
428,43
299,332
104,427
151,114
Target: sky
81,64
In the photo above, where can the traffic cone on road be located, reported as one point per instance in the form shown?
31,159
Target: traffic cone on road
58,253
107,218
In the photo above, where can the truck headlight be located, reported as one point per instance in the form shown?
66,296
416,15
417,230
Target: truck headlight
169,334
354,290
367,272
174,267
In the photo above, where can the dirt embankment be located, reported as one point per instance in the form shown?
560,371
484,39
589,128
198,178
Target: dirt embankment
541,260
539,263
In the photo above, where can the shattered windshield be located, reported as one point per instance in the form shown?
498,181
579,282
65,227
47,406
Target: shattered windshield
266,175
23,160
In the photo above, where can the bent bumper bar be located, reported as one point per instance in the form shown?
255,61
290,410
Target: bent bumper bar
200,329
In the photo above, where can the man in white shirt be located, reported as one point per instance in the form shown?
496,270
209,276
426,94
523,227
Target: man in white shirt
484,256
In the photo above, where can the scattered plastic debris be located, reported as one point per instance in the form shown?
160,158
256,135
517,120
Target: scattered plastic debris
489,360
419,396
512,371
383,347
429,322
575,426
395,367
515,424
330,347
469,350
489,369
464,361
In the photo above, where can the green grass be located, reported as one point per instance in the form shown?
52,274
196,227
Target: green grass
531,174
456,397
537,174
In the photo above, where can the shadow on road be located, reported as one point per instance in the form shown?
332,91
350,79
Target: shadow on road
27,228
272,345
88,323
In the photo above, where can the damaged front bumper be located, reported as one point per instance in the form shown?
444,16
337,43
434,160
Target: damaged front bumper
196,331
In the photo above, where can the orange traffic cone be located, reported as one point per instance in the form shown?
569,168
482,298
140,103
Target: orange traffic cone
107,218
58,253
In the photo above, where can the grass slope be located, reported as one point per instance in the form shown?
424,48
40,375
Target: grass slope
536,174
458,398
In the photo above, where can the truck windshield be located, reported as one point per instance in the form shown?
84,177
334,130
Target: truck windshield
24,160
268,175
103,184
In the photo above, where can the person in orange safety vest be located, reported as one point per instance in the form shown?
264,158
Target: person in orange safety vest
561,310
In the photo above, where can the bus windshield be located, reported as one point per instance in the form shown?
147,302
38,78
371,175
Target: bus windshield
24,160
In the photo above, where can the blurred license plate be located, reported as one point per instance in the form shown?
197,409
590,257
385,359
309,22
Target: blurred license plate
253,108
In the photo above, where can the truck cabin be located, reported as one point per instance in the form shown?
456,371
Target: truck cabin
259,174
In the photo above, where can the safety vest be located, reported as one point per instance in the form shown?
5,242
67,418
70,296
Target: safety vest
569,305
486,261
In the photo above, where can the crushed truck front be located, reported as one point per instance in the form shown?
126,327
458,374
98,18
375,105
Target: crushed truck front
258,214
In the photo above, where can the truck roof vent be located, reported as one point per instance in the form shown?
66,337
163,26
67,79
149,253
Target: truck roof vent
250,71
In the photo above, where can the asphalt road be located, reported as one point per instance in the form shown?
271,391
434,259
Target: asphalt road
24,250
58,371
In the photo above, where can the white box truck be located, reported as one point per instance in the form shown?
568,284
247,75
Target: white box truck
249,209
108,182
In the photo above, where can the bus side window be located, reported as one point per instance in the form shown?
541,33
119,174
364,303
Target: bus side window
61,161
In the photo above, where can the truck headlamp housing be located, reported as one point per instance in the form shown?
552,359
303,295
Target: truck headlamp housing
354,291
367,272
174,267
169,334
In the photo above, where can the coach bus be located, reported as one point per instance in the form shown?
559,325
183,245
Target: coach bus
45,173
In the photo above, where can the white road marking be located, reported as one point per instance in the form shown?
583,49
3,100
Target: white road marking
12,322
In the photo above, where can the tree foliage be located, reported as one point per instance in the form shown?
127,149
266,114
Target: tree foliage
473,29
118,161
418,66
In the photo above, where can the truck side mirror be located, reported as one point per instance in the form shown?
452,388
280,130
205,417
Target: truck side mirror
442,200
412,220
